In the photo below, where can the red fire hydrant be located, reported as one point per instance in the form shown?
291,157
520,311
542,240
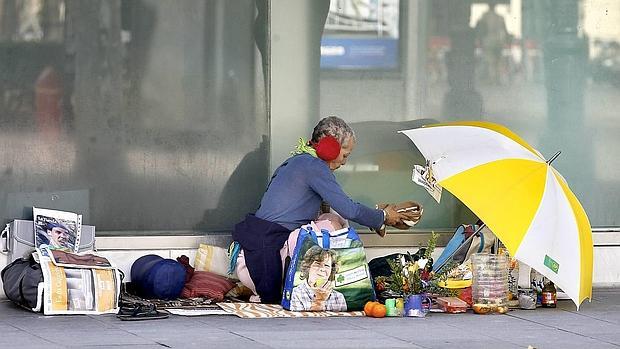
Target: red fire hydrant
48,93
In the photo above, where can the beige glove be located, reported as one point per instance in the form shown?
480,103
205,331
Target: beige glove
412,210
395,214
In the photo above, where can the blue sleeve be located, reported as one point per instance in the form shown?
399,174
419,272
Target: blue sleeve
324,183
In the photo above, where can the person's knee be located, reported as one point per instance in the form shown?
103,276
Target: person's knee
244,274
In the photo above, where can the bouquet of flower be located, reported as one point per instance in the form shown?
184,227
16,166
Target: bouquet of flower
414,275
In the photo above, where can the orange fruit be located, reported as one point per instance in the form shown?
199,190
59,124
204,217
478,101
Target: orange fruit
379,310
368,307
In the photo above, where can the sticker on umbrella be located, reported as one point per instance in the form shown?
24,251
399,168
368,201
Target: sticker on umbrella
551,264
423,176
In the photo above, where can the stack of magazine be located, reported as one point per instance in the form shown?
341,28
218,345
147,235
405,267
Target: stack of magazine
74,283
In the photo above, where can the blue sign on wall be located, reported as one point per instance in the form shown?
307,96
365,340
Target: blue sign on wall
359,54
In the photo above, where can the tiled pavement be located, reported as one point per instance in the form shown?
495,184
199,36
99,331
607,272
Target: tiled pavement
596,325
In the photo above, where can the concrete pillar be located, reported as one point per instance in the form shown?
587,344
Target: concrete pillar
414,58
294,45
566,64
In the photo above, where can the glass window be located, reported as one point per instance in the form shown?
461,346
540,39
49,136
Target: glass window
143,115
548,70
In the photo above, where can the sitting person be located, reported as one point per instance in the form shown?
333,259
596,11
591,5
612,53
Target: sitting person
294,197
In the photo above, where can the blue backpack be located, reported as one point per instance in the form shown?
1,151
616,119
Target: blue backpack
456,249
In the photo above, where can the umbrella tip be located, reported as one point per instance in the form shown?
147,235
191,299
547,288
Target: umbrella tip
554,157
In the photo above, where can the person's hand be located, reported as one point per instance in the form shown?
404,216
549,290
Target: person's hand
320,296
411,209
394,218
396,214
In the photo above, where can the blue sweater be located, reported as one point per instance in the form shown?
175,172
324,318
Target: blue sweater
297,189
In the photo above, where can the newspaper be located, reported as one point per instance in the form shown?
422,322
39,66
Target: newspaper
75,260
77,290
423,176
59,230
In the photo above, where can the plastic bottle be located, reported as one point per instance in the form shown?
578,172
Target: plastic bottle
513,275
549,295
537,284
490,283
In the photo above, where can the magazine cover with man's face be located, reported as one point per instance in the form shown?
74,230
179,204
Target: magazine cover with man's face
56,229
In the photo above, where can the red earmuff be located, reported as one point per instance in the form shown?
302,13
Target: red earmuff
327,148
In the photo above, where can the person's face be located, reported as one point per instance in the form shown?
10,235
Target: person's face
320,269
345,150
59,236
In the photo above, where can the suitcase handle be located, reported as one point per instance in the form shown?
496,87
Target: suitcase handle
5,239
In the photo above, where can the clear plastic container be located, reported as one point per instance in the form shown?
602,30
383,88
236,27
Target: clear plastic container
490,283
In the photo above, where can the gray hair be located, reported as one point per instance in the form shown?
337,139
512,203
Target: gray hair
333,126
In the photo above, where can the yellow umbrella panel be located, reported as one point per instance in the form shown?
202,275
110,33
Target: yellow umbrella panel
520,197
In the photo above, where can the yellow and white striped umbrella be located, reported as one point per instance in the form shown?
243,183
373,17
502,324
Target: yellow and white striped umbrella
522,199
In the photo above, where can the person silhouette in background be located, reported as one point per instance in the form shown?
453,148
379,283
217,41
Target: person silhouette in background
492,36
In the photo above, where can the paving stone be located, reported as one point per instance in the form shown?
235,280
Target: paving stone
596,325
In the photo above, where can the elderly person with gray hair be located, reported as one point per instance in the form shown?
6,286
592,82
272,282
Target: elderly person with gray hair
294,197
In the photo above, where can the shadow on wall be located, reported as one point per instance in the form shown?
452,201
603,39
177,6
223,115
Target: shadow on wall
242,193
379,137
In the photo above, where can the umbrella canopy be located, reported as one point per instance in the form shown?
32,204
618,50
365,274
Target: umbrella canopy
522,199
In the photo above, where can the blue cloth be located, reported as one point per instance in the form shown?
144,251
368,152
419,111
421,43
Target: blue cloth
261,241
233,253
158,277
297,189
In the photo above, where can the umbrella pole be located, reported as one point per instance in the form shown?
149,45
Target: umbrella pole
477,232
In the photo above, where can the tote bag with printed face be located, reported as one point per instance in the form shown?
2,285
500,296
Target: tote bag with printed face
328,272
